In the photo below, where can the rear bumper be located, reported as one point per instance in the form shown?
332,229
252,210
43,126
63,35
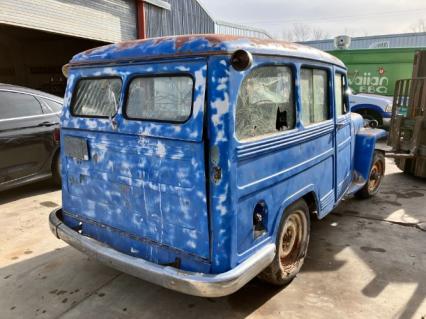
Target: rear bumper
197,284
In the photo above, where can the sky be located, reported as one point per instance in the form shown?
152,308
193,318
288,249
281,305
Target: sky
328,18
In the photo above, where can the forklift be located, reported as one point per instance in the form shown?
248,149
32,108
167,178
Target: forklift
407,136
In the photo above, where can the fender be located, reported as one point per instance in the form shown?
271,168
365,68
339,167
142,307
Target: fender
365,145
368,107
290,200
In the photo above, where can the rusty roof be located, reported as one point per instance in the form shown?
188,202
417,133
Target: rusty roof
196,45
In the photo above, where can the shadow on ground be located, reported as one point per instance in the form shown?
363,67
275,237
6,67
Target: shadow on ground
38,188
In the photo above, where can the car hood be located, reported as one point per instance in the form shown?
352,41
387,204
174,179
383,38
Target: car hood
363,98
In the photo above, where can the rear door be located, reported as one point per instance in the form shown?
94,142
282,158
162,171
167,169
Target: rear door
144,171
25,137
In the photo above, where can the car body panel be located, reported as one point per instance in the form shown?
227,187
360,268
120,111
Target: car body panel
155,169
376,104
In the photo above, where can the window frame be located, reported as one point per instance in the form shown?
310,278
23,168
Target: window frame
42,101
293,75
164,75
328,71
74,96
345,98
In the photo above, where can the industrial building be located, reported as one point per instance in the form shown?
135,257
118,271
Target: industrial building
38,37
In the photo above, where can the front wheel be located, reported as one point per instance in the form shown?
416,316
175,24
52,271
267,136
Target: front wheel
292,245
375,177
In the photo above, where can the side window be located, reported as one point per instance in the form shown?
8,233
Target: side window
52,106
14,105
339,94
265,102
315,106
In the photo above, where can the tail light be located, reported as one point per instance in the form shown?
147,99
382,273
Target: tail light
56,135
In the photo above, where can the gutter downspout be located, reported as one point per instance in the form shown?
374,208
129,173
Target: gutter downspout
140,11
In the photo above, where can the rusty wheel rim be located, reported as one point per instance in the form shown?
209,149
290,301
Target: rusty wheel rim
376,175
292,240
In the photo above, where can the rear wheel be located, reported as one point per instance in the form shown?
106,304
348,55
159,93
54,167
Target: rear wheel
375,177
292,245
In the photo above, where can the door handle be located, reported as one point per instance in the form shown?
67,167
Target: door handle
340,125
46,124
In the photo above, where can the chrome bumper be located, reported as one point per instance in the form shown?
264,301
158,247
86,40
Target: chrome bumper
197,284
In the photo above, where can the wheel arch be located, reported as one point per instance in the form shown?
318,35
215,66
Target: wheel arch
309,194
370,109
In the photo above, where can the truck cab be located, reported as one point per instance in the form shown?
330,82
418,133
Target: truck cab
196,162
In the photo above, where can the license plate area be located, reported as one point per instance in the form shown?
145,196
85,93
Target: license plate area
76,147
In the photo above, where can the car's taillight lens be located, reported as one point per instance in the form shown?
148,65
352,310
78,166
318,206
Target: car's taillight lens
56,135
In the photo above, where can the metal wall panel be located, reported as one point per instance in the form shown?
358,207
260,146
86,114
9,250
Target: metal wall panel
408,40
102,20
185,17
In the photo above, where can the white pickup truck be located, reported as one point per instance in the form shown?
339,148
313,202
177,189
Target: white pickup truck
376,109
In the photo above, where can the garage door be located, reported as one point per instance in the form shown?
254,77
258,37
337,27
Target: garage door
102,20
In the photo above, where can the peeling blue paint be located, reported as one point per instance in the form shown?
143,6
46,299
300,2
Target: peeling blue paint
162,191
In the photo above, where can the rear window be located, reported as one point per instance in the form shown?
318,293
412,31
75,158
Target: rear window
165,98
96,97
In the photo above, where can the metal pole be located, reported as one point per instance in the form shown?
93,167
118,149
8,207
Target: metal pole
140,7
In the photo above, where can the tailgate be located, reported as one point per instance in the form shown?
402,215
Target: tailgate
140,178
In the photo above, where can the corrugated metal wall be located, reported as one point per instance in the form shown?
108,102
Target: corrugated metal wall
408,40
185,17
102,20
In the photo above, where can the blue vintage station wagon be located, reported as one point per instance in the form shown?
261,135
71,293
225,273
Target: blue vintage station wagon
196,162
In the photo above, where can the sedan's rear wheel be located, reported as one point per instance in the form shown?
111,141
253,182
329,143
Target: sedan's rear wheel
292,245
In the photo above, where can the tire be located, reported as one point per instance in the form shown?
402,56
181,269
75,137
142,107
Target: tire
56,170
371,116
375,177
292,245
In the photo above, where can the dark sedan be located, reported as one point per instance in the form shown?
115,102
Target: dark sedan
29,136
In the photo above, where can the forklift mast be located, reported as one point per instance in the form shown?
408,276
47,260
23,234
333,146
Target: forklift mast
408,125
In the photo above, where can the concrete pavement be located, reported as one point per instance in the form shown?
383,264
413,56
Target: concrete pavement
366,260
